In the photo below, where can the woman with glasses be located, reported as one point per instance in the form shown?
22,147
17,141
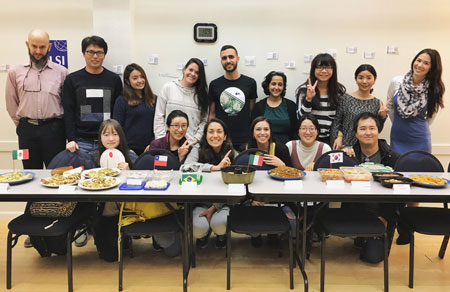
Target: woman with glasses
190,95
305,152
281,112
350,106
175,141
320,94
135,109
414,100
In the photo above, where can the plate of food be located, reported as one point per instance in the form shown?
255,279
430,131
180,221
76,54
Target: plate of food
99,183
57,180
428,181
16,177
99,172
286,173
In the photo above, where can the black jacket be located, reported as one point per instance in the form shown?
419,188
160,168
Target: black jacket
388,156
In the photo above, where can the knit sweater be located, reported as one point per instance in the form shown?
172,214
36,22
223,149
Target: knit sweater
176,97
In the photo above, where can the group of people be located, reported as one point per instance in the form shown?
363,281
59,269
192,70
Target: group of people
90,111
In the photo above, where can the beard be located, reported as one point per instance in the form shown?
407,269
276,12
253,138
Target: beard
230,70
38,63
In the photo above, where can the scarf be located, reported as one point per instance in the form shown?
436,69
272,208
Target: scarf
411,99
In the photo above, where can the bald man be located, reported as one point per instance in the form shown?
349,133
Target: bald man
33,101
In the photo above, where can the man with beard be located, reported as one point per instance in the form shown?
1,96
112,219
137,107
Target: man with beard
33,100
232,98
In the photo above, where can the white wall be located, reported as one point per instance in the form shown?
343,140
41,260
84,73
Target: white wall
135,29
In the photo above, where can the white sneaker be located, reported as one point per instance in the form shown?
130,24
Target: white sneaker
27,243
82,240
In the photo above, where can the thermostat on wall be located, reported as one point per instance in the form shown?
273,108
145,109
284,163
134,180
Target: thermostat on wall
205,32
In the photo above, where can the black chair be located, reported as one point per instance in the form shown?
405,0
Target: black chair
345,222
324,160
350,222
244,157
26,224
146,160
425,220
264,219
170,223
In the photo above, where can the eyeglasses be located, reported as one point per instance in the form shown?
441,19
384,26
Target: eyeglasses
92,53
32,84
177,127
311,130
320,68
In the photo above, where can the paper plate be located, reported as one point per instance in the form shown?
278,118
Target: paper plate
100,188
86,172
111,158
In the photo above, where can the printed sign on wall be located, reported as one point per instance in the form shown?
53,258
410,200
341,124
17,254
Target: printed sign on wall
58,52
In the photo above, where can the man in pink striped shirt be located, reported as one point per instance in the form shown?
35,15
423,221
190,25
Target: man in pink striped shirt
33,101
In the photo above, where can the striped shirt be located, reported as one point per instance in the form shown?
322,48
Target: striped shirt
323,112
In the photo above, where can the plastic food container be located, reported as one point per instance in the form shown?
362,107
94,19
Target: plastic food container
163,175
378,176
140,174
389,182
330,174
355,174
237,174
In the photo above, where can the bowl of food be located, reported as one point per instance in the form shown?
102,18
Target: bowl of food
399,180
330,174
238,174
378,176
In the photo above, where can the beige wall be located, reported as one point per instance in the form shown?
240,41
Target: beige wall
255,27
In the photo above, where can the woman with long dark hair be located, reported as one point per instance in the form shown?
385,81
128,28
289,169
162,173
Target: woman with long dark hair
190,95
212,153
414,100
320,94
135,108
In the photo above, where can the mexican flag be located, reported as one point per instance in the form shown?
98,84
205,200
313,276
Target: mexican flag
21,154
255,160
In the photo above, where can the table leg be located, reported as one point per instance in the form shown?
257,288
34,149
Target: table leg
304,232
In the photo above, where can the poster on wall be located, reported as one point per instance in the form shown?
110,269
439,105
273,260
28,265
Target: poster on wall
58,52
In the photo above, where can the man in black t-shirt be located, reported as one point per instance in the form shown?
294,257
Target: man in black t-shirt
232,98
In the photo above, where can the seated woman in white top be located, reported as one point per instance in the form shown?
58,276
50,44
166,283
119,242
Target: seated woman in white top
212,153
305,152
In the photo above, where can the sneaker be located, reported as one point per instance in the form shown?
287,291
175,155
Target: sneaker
82,240
27,242
221,241
256,241
156,246
203,242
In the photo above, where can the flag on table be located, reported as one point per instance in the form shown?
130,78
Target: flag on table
189,177
21,154
160,160
256,160
336,157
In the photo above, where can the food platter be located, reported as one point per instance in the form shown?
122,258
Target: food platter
277,177
56,181
157,188
29,174
103,182
101,172
399,180
430,185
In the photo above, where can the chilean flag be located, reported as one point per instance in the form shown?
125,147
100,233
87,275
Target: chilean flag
160,160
